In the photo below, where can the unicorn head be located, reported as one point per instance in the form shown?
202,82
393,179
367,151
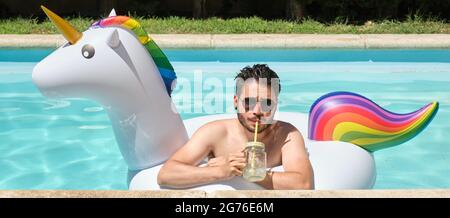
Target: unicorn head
115,63
110,49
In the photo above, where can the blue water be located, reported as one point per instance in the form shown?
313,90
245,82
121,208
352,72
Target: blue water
69,144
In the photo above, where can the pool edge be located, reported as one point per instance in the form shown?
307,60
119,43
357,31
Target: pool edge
213,41
405,193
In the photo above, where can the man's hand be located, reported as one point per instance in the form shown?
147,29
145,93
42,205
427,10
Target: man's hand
229,166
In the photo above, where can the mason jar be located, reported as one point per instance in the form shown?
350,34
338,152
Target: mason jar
256,158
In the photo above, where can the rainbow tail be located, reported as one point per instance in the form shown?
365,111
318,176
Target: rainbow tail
349,117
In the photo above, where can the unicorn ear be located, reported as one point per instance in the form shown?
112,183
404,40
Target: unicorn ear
112,13
114,40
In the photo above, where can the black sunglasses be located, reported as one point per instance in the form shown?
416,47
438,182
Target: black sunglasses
266,104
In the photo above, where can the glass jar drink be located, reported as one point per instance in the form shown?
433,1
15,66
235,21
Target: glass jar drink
256,158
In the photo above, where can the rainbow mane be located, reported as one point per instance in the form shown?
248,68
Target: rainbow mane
349,117
160,59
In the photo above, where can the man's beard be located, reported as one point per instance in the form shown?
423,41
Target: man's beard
249,128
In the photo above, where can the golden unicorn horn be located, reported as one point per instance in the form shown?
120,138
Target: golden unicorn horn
68,31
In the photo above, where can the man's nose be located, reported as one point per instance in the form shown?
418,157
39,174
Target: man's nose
257,109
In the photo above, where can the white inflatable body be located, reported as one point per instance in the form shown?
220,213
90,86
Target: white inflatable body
111,66
336,165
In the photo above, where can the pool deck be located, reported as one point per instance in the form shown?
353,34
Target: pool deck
350,41
417,193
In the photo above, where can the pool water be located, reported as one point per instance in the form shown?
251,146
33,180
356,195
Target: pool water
69,144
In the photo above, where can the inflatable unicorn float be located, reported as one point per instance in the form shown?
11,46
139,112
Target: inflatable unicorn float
117,64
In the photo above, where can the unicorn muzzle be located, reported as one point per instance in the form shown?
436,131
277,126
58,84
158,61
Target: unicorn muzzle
45,78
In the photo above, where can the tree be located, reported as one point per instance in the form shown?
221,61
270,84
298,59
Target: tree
295,9
199,9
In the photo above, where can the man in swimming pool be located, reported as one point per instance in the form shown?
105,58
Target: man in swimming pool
256,98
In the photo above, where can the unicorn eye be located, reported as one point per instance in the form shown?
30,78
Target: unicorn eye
88,51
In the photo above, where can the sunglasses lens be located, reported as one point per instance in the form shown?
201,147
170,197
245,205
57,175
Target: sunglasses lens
266,105
250,103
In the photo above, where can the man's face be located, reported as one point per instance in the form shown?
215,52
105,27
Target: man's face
256,100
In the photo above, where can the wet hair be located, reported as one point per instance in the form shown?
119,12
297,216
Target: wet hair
258,71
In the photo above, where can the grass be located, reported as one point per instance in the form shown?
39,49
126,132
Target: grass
413,24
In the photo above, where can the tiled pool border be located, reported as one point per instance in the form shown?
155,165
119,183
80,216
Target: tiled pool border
410,193
354,41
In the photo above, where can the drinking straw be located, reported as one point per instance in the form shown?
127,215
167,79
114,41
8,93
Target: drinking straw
255,137
256,131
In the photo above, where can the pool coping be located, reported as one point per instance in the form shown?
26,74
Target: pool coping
217,41
403,193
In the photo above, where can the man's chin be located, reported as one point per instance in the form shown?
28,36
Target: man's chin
249,125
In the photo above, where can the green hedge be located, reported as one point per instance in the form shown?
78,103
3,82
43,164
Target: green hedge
238,25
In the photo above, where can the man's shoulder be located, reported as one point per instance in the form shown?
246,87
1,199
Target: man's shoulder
221,122
286,127
218,126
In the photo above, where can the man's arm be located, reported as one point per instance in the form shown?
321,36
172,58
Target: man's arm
181,170
298,173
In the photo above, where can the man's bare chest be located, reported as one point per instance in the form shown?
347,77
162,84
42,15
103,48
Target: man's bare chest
226,147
